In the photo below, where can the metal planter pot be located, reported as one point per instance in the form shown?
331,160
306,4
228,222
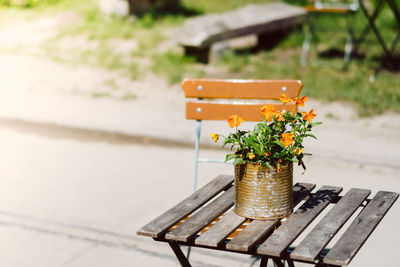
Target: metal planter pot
262,193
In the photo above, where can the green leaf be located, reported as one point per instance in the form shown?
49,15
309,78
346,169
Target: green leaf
248,141
315,123
238,161
311,135
279,143
268,165
229,157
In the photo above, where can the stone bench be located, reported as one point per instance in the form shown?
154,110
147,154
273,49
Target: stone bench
198,34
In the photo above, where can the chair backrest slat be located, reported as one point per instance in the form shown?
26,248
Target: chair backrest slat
198,110
240,89
202,97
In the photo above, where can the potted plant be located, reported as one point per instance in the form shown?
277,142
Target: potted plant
264,157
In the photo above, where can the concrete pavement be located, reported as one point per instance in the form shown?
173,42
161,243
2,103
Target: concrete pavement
71,197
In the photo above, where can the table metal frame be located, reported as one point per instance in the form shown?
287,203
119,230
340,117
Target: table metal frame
388,50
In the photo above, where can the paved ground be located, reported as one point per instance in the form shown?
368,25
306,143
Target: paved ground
79,175
75,196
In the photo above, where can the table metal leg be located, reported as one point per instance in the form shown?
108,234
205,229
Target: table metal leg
278,262
179,254
395,9
264,261
290,263
366,30
388,51
375,29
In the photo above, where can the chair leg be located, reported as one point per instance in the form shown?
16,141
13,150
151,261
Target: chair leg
196,156
306,44
349,42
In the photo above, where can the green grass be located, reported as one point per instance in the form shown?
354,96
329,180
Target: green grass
323,78
174,67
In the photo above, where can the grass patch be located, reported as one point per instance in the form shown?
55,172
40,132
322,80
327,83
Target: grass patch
112,84
332,116
129,96
101,95
174,66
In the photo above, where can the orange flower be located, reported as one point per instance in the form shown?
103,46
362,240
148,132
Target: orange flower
251,155
284,99
300,101
268,111
214,136
267,154
309,116
235,120
279,116
287,139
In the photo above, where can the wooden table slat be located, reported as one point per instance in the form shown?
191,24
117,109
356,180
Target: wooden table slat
324,231
251,235
257,230
280,240
202,218
357,233
214,236
162,223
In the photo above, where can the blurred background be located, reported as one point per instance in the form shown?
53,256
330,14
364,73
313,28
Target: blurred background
94,141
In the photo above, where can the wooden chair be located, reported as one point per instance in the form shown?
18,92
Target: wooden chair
208,99
345,7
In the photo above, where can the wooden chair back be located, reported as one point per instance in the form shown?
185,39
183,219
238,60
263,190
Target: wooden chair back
211,99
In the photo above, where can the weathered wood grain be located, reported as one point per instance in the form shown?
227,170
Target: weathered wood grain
280,240
202,31
257,229
185,231
324,231
214,236
162,223
357,233
250,235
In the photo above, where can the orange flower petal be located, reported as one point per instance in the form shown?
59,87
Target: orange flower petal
287,139
284,99
235,120
309,116
268,111
279,116
300,101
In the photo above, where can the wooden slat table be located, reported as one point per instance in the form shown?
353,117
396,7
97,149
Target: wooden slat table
205,219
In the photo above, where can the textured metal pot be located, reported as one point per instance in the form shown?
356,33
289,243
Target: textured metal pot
262,193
